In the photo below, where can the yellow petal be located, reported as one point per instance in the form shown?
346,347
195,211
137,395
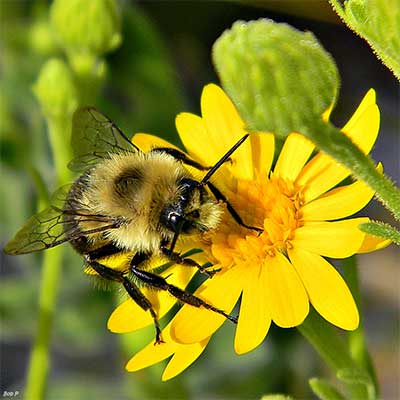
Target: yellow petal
322,172
319,175
368,100
150,355
287,299
262,146
364,130
129,317
197,140
146,142
254,318
191,324
225,126
326,289
294,154
338,203
339,239
372,243
185,355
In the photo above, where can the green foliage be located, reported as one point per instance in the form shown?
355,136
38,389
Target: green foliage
281,79
378,22
334,351
87,26
382,230
356,376
55,89
324,390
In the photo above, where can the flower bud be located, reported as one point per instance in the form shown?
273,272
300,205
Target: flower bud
42,39
55,89
85,26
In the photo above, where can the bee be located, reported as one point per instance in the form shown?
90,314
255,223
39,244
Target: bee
128,201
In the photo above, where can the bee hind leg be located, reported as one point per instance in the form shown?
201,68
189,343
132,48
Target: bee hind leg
134,293
158,282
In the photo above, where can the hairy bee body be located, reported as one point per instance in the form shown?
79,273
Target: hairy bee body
135,188
128,203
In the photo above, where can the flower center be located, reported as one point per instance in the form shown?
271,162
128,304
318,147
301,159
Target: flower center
271,204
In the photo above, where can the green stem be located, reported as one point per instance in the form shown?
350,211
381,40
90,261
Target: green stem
330,140
326,341
39,360
59,130
357,344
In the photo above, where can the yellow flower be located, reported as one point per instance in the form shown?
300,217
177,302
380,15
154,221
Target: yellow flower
300,209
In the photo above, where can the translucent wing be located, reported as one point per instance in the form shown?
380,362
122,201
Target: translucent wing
95,137
56,225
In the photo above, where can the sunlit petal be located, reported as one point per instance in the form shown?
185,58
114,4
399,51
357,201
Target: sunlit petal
262,147
338,203
322,172
286,297
294,154
319,175
198,142
368,100
184,356
372,243
223,121
150,355
364,130
339,239
254,317
146,142
326,289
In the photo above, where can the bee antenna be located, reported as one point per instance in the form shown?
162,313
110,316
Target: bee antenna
223,159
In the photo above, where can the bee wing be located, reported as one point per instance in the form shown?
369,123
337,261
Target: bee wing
94,137
56,225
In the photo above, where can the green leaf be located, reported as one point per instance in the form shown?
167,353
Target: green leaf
356,376
378,22
381,230
276,397
356,339
281,79
324,390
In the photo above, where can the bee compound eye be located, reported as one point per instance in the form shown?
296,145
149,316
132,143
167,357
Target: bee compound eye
174,218
175,221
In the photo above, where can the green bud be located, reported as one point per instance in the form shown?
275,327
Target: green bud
42,38
281,79
55,89
87,26
87,65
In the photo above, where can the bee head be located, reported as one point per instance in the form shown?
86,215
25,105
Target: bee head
193,211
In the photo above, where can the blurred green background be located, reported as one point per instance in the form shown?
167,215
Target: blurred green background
158,71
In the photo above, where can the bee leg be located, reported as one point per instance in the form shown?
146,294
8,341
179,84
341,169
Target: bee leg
187,262
160,283
132,290
219,196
